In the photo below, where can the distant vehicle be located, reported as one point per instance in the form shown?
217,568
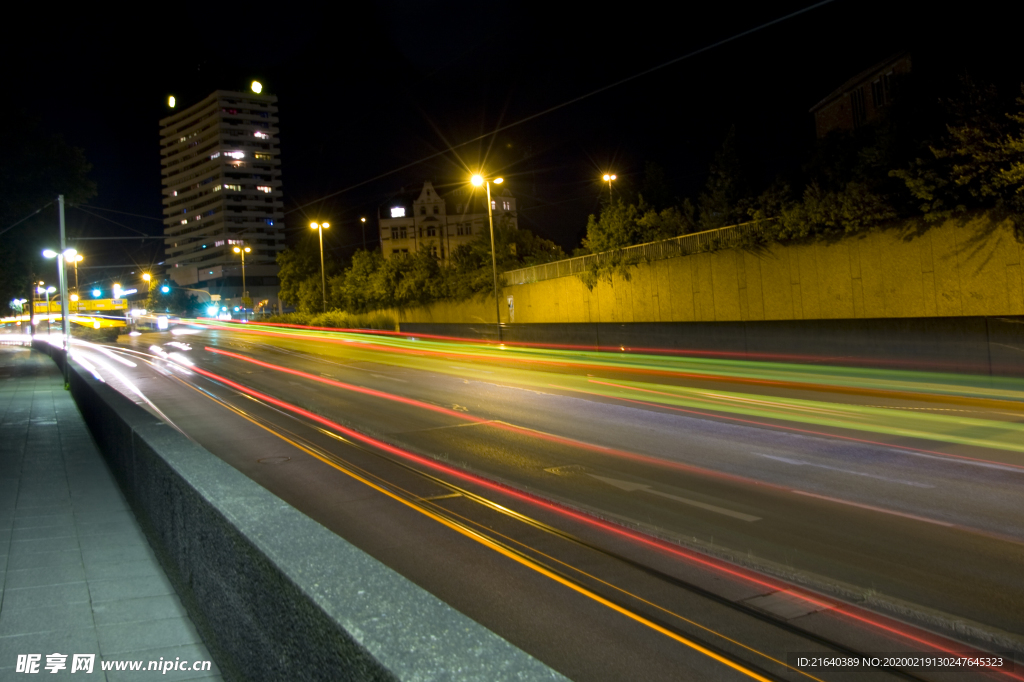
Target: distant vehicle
155,323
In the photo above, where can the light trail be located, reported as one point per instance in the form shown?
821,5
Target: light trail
866,619
1016,444
616,452
475,535
1001,435
1007,394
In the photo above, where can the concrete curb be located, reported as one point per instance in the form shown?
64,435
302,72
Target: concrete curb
274,594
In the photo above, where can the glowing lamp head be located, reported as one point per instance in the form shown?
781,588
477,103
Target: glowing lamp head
165,289
247,249
146,276
78,259
171,101
314,226
362,220
257,87
74,297
325,225
237,250
96,293
477,180
50,253
498,181
69,254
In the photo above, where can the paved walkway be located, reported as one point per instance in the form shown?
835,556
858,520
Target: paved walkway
77,575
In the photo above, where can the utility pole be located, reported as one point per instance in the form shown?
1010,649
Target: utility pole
64,312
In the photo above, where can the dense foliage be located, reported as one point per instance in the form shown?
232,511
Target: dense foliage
946,145
373,282
176,301
35,166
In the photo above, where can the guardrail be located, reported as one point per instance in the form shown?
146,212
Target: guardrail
659,250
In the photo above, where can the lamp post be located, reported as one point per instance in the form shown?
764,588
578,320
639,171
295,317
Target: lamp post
245,293
62,257
323,273
32,315
47,291
478,180
608,177
363,223
78,305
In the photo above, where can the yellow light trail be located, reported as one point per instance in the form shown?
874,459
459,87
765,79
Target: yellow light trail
499,548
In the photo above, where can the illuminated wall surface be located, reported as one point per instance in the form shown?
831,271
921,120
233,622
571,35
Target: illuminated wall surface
969,268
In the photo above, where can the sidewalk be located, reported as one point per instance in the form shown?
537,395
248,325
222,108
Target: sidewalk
77,575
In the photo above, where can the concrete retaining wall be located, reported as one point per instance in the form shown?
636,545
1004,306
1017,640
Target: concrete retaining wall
961,268
275,595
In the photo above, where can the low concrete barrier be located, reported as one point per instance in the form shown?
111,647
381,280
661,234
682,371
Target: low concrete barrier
974,345
275,595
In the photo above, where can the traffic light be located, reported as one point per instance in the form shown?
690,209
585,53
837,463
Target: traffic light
96,293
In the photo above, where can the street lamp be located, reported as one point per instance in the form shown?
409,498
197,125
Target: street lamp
245,294
76,260
608,177
61,258
48,290
363,221
478,180
323,273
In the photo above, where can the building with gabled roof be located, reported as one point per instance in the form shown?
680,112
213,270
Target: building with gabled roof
425,219
860,99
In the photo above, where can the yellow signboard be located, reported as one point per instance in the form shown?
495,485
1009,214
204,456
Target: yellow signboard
84,305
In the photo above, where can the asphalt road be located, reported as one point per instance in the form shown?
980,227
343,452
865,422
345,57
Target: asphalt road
897,493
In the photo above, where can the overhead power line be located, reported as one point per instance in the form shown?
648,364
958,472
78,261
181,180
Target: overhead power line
574,100
38,210
110,210
83,210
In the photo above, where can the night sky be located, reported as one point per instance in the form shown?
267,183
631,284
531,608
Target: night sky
366,90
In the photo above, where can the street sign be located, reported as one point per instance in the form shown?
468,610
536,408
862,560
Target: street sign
84,305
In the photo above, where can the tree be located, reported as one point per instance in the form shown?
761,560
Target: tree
655,190
621,225
721,202
977,162
174,301
298,268
35,166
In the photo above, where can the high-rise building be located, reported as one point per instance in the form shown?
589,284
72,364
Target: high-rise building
222,188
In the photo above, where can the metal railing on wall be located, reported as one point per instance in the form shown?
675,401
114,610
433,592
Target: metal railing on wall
709,240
